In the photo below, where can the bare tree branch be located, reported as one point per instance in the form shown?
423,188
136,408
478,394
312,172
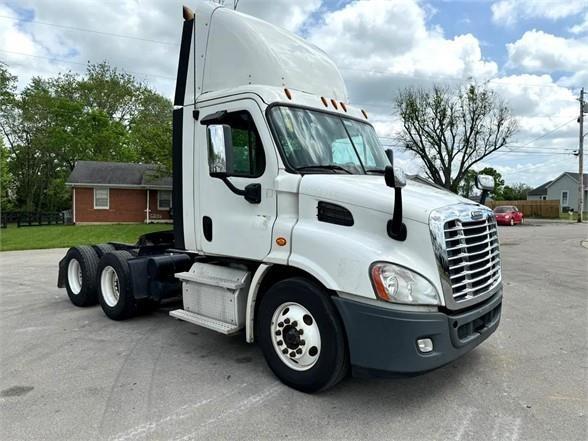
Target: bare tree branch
451,130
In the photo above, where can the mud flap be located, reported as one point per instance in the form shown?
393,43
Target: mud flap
62,274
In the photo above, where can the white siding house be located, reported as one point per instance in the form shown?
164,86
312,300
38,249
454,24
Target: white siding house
564,188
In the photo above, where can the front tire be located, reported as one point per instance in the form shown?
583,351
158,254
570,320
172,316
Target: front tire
114,288
81,270
301,335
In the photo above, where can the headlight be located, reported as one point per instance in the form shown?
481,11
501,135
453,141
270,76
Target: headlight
394,283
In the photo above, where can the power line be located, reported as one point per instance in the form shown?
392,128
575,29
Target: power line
527,144
445,78
91,31
168,43
83,64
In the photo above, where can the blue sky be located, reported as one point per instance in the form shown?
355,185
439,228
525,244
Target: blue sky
534,53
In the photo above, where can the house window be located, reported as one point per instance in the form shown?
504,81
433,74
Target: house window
163,200
564,198
544,198
101,198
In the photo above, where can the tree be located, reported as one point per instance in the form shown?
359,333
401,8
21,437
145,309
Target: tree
105,115
5,179
516,192
451,130
468,184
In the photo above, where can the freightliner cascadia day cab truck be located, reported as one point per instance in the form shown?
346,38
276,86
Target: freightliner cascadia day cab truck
291,223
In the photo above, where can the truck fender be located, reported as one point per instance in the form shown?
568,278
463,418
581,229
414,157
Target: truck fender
251,297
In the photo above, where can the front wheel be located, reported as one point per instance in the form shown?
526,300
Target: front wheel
302,336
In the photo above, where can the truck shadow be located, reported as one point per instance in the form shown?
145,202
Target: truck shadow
239,359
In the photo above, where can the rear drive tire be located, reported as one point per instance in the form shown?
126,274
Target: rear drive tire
301,335
114,289
81,270
103,248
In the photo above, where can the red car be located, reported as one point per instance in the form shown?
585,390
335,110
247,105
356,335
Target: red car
508,215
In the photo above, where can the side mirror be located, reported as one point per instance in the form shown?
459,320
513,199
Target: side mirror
485,182
395,177
390,155
220,150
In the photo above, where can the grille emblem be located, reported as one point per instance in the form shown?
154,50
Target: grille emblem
477,214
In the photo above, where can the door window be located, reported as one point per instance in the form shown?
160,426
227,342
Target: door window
248,154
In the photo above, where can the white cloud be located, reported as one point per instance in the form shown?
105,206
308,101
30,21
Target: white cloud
383,45
537,51
154,20
580,28
288,14
508,12
546,113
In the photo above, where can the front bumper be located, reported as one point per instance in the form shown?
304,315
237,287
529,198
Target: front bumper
383,342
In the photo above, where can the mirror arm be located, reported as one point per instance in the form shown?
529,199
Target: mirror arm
251,193
483,197
395,228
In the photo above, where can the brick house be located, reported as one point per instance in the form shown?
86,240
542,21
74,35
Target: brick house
117,192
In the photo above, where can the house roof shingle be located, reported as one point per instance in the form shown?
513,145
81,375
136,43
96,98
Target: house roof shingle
577,175
122,174
541,190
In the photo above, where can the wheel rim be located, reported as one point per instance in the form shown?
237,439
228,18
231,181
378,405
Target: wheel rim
110,286
295,336
74,276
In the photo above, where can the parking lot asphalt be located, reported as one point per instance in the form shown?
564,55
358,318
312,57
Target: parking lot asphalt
70,373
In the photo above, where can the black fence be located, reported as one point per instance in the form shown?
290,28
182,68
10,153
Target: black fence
32,219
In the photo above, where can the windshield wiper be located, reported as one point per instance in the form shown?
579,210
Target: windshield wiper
324,167
376,170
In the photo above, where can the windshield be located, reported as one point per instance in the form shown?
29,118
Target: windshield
503,209
320,142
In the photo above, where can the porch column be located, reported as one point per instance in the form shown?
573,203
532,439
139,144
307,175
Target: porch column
147,211
73,205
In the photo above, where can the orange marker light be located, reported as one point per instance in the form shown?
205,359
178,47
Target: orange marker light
334,103
281,241
364,113
379,284
288,94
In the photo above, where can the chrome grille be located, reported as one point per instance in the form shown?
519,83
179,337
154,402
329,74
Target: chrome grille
473,256
465,240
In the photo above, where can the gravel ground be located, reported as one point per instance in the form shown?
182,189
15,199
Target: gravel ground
70,373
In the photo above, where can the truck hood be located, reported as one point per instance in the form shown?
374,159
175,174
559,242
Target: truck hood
371,192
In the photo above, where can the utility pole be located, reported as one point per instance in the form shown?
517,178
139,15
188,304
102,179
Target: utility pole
581,159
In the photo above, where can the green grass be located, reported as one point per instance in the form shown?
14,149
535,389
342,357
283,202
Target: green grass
566,216
64,236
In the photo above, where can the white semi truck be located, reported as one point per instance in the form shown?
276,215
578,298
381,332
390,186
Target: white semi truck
291,223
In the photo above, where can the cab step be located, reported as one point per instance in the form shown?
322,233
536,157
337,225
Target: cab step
206,322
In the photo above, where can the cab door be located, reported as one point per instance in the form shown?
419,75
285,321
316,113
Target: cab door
230,225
